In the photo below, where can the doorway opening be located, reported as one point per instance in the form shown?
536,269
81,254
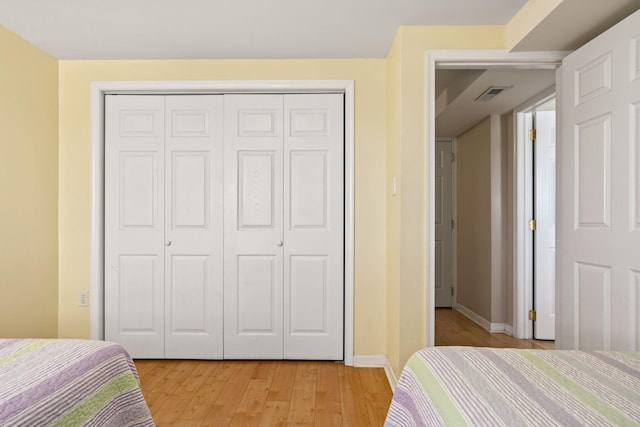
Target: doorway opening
501,205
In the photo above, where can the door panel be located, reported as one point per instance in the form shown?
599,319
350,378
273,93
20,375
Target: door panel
188,296
138,198
134,218
309,181
443,218
256,179
308,312
253,240
313,226
194,227
545,233
597,238
139,279
191,189
256,295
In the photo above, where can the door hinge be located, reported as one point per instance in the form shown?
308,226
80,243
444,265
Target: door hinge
532,134
533,225
453,225
453,157
532,315
451,290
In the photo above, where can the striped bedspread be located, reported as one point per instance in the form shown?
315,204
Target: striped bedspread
458,386
69,383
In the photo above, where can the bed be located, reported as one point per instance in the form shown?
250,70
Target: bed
459,386
69,383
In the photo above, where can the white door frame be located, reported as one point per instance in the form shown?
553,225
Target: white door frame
466,59
523,262
101,88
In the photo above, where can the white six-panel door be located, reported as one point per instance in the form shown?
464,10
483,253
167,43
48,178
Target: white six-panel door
253,238
193,227
599,169
163,225
313,226
443,224
134,224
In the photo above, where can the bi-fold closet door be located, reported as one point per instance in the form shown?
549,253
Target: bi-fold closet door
163,225
224,226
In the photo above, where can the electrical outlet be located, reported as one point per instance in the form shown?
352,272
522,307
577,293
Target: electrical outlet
83,299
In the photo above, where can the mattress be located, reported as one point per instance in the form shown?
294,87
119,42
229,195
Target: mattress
458,386
69,383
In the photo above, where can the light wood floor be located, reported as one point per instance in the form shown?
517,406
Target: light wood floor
454,328
278,393
263,393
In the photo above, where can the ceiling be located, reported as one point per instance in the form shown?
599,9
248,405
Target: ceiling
210,29
456,91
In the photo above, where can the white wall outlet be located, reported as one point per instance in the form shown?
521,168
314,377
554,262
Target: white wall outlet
83,299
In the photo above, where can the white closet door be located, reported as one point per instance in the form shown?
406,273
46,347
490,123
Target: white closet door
193,227
313,232
134,224
253,239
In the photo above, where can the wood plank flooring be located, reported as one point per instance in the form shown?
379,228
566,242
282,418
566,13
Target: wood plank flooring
263,393
454,328
185,393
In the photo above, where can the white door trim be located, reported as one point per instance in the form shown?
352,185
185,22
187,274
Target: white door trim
98,91
462,59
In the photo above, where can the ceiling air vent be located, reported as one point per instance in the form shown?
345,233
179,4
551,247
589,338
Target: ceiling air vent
488,94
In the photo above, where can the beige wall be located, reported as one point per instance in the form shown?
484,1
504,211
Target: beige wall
474,219
370,166
29,189
484,276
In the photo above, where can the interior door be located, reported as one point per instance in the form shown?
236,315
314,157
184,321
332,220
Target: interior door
599,173
253,227
134,224
314,226
545,216
193,227
443,224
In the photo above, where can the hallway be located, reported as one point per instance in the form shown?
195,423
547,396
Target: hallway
455,329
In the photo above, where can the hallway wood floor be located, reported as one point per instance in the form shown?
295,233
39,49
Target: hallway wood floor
454,328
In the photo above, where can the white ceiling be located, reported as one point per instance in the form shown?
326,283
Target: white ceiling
209,29
461,111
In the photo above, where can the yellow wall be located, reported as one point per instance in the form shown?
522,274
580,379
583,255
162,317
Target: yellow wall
370,168
29,189
393,202
407,303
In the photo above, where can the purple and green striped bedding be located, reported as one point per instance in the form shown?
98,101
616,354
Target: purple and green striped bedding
469,386
69,383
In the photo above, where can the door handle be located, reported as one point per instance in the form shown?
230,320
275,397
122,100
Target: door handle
279,243
167,243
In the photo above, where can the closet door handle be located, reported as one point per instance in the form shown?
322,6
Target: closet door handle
167,243
279,243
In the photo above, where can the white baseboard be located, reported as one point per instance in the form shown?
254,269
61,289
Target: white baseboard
377,362
369,361
484,323
391,376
